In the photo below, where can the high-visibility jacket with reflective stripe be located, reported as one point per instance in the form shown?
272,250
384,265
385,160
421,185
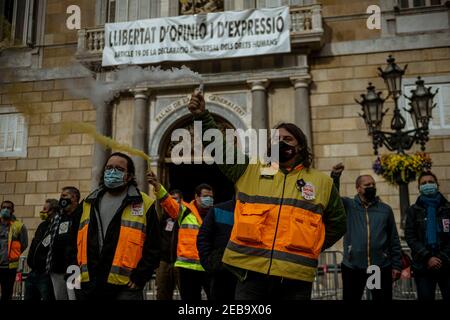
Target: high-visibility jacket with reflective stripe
132,236
14,245
278,230
189,220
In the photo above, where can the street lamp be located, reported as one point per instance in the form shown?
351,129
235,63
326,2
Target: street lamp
421,105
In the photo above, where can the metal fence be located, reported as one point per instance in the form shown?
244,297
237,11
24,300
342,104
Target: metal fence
21,276
328,282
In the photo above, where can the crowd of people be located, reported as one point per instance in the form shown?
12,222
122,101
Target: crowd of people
263,244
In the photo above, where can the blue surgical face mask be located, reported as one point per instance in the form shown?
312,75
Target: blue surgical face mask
428,189
114,178
206,202
5,214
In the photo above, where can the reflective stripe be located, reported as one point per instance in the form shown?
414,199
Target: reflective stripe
84,273
189,226
120,271
279,255
182,259
127,253
286,201
132,224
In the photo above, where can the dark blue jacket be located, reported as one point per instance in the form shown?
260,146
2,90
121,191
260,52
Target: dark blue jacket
214,235
372,237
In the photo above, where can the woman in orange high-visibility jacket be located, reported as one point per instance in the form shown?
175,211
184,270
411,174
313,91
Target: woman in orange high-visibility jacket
115,240
286,214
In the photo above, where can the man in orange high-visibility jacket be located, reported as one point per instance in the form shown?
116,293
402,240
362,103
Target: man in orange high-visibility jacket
189,216
117,242
13,241
286,214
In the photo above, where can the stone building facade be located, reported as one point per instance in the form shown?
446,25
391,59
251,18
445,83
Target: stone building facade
334,55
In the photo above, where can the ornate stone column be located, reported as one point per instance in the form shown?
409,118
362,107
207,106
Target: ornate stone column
140,134
260,112
302,110
103,125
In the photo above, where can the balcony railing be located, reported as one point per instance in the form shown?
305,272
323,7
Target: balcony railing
306,30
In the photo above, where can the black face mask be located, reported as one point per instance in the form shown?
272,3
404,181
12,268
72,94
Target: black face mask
64,203
287,152
370,193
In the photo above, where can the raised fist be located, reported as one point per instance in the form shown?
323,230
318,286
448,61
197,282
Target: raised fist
197,103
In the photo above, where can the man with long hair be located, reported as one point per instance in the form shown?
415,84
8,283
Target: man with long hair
285,216
117,236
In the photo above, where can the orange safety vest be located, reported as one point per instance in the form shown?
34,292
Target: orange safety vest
278,228
14,246
129,246
190,223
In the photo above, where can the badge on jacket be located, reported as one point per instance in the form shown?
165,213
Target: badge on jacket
446,225
137,209
308,191
46,241
63,227
169,225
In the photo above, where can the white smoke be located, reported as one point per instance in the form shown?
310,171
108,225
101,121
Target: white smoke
127,77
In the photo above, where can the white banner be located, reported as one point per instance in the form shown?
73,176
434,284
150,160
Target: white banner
198,37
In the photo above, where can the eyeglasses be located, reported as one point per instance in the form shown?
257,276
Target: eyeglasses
109,167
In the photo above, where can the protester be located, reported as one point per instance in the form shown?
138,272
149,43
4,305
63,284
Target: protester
60,225
189,217
211,243
38,285
286,214
116,239
371,240
427,232
167,277
13,242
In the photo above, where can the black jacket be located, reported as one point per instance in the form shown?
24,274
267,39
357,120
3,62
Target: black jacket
99,263
37,255
415,230
214,235
61,242
169,238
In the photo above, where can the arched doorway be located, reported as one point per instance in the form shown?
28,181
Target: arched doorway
186,177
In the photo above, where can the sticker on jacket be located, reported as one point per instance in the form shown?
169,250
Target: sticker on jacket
137,209
63,227
446,225
308,191
169,225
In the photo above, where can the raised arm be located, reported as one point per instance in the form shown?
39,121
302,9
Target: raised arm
169,204
232,171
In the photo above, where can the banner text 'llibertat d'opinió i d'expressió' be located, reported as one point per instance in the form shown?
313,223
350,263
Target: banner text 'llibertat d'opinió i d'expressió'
198,37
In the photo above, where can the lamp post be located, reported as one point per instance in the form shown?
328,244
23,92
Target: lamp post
398,139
